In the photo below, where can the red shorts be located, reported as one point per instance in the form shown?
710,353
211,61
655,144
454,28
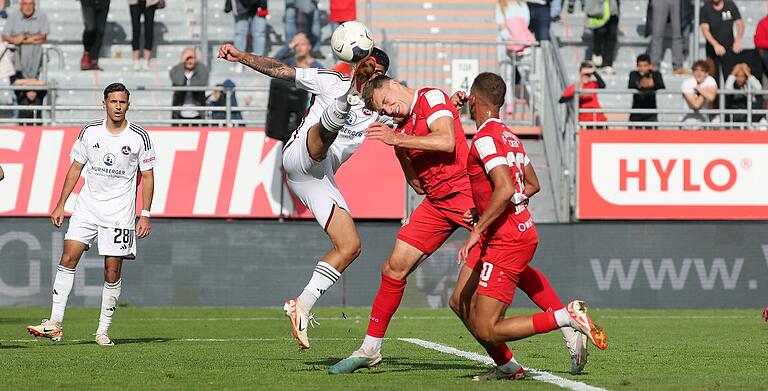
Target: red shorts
433,222
500,270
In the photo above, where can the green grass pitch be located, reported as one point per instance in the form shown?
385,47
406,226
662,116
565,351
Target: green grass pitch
252,349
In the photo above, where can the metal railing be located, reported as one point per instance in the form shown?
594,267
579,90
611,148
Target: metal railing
672,118
432,63
57,102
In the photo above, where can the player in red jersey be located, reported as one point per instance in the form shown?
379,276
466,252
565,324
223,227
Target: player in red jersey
432,150
505,232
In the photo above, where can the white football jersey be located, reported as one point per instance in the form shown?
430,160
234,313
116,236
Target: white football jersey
326,86
108,198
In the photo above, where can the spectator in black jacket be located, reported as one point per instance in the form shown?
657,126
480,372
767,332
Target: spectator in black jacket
189,72
646,81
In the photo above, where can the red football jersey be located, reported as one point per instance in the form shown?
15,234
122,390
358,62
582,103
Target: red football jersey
440,173
495,145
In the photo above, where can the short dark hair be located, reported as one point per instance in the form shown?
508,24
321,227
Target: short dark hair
381,58
116,87
702,64
585,65
491,87
372,85
644,58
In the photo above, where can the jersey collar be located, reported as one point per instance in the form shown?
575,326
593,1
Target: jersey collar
489,120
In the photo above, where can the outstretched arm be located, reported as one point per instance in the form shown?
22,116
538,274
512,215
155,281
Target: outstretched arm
265,65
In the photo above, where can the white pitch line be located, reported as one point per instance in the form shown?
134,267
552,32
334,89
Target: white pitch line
533,373
186,340
278,318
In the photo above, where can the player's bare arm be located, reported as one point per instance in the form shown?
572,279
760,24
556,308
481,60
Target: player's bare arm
503,189
73,174
2,174
144,227
408,171
441,136
265,65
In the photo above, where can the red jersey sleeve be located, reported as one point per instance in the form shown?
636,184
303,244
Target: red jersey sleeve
489,151
569,91
435,105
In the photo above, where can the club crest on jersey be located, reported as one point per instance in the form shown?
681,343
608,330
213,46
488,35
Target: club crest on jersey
351,118
126,150
510,139
109,159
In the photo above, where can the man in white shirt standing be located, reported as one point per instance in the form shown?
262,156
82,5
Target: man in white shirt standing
698,92
113,151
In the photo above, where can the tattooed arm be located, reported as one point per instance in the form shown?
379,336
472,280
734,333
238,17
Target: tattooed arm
266,65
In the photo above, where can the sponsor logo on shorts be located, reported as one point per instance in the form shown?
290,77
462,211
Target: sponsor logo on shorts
126,150
522,227
109,159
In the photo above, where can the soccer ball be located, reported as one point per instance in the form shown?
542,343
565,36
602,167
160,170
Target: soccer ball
352,42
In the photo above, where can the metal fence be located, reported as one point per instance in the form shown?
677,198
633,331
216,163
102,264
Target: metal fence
59,109
721,118
452,66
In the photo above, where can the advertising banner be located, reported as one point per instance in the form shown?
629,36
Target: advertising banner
636,174
202,172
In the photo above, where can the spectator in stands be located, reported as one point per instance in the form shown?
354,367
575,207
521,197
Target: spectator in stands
663,10
572,4
30,98
139,8
698,91
512,18
219,99
540,18
342,11
588,80
249,15
717,20
4,15
741,78
190,73
646,80
299,54
761,44
555,8
95,21
603,20
28,30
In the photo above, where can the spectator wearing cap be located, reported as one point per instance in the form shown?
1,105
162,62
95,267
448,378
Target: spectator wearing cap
188,73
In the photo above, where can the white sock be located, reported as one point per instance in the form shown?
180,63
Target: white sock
109,297
568,333
371,345
562,318
335,115
322,278
62,286
511,367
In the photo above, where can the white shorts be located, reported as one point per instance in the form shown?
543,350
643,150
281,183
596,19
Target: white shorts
113,242
311,181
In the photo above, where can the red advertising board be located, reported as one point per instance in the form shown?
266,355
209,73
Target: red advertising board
672,175
202,172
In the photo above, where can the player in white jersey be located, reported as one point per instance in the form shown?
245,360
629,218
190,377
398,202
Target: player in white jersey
332,130
113,151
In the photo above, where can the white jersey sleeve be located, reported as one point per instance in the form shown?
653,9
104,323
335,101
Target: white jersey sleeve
321,81
147,157
80,148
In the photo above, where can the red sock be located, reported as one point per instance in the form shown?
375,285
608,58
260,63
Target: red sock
534,284
544,322
500,354
384,305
